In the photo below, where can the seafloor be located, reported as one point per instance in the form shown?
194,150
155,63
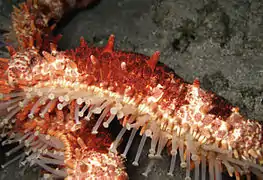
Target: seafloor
218,42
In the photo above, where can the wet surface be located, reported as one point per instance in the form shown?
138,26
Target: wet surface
218,42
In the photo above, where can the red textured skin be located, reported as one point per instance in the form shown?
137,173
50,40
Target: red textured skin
139,76
59,124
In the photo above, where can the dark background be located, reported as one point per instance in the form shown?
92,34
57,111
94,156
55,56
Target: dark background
218,42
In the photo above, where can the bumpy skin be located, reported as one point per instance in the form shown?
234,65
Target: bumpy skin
139,92
85,156
172,103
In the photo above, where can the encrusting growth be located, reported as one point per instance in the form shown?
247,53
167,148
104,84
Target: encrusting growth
58,101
